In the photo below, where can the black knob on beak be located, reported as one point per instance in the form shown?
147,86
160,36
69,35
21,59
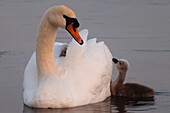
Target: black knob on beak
115,60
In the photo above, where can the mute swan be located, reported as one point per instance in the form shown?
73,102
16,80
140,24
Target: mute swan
129,90
81,77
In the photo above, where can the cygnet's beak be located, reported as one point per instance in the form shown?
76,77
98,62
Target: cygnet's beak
115,60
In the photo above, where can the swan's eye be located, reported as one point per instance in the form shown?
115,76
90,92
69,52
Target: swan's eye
72,20
68,20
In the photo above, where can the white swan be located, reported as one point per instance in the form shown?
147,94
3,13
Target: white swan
81,77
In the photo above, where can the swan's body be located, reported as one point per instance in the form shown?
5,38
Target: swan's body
81,77
129,90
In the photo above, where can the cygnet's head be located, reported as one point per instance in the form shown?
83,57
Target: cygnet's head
122,65
64,17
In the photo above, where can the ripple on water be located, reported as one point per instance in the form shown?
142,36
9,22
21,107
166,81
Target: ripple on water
162,93
9,53
3,53
147,50
124,105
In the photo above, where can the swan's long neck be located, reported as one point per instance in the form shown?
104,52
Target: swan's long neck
45,48
118,82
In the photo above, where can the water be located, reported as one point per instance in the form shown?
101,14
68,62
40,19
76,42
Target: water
137,30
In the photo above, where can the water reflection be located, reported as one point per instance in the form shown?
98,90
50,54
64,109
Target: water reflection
124,105
118,105
102,107
110,105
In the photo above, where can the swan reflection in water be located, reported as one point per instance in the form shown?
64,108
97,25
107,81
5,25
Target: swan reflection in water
110,105
92,108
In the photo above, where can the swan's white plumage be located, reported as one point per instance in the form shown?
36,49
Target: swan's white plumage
83,76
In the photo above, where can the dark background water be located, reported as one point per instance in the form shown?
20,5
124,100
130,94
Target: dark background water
137,30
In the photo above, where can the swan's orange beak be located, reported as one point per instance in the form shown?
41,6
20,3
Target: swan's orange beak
74,33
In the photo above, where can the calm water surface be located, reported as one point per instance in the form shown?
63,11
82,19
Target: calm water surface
137,30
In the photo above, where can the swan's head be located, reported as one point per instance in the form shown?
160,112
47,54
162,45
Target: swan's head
64,17
121,64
